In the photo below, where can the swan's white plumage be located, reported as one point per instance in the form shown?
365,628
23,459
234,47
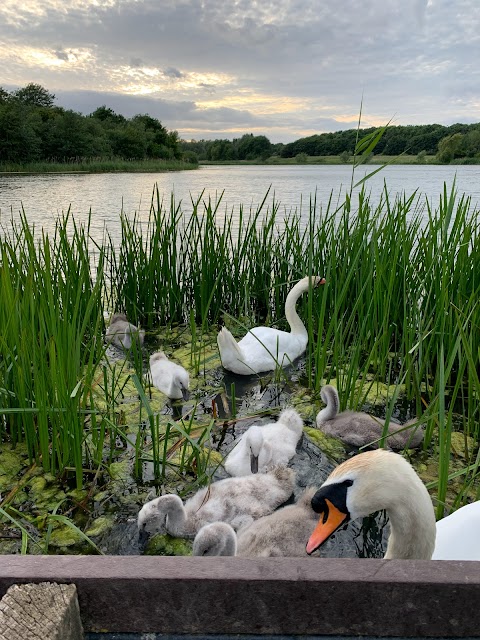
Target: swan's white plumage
458,535
168,377
237,501
122,333
282,533
265,348
273,443
359,429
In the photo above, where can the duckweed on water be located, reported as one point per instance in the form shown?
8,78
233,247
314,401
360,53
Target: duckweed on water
166,545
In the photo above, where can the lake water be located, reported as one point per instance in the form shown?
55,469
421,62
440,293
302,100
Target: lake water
44,196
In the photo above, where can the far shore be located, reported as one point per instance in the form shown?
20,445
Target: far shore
159,166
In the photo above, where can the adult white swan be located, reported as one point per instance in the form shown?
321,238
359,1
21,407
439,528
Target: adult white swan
359,429
265,348
381,479
263,446
237,501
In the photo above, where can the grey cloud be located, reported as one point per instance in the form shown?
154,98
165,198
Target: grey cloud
61,55
171,72
404,57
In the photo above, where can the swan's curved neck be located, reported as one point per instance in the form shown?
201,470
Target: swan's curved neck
230,545
296,325
412,529
331,410
176,519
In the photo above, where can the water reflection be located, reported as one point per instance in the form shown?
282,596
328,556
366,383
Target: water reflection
44,197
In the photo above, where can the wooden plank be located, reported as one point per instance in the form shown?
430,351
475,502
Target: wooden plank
311,596
44,611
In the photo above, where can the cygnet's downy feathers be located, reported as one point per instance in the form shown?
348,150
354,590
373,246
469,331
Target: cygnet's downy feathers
359,429
263,446
237,501
123,333
168,377
266,348
282,533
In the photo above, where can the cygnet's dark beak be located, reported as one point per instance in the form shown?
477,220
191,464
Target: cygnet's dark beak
253,463
185,394
143,538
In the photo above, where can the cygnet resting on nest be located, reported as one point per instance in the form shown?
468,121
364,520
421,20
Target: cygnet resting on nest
237,501
283,533
169,378
121,332
263,446
359,429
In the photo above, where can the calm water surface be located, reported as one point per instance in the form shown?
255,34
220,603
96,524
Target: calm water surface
43,197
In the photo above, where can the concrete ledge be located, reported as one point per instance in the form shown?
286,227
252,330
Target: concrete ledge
310,596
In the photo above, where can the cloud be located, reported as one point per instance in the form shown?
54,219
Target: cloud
307,60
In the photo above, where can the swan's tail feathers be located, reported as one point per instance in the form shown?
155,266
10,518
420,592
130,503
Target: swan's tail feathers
329,395
158,355
291,419
226,342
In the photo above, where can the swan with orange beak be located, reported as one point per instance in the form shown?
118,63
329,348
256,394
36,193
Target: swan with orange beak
374,481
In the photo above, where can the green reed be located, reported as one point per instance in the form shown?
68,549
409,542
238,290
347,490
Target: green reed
400,305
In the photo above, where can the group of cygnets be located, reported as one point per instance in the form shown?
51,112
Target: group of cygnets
168,377
240,515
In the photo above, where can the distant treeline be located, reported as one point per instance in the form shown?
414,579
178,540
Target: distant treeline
446,143
33,129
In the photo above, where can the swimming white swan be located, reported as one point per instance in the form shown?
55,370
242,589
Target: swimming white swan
380,479
265,348
458,535
263,446
370,482
359,429
282,533
237,501
121,332
169,378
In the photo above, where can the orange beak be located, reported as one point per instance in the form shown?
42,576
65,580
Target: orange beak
325,527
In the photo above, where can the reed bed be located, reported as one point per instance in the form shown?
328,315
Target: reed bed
400,306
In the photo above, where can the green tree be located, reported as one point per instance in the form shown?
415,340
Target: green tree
4,96
18,139
105,114
449,147
34,95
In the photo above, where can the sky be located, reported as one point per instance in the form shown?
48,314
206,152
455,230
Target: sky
221,68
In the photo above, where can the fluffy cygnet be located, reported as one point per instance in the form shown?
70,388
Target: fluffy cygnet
122,333
263,446
282,533
237,501
359,429
168,377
